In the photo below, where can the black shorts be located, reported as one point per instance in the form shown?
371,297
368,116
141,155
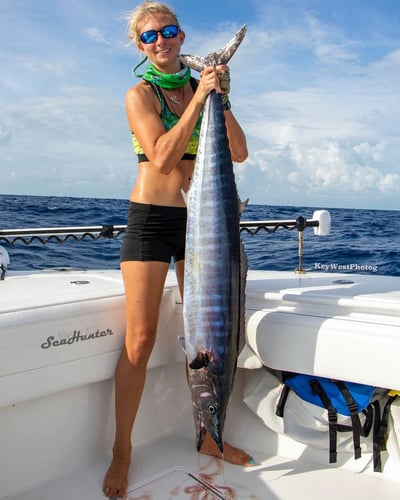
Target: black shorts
154,233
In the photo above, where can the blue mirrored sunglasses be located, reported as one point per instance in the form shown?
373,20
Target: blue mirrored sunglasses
169,31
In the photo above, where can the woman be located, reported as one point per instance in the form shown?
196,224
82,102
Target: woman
164,115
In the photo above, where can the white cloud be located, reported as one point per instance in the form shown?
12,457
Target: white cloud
5,135
65,142
318,100
39,65
323,172
331,133
330,46
97,35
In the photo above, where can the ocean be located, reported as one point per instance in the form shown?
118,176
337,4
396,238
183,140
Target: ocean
361,241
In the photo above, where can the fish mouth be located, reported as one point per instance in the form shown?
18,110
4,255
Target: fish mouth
215,434
206,401
201,434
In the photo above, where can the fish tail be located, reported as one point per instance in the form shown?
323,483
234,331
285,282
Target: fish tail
223,56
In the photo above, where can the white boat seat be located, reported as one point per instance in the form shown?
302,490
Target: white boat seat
60,330
337,326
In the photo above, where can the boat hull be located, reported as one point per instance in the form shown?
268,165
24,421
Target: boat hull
56,411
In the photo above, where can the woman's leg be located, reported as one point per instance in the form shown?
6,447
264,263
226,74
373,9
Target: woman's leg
209,447
144,285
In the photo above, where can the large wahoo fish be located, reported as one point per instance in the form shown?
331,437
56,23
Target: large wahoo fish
215,266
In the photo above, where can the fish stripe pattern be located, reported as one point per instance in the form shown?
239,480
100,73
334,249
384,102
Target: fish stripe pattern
213,303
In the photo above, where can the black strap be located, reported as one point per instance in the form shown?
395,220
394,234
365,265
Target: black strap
141,157
354,414
369,420
332,418
384,422
372,414
282,400
380,431
376,441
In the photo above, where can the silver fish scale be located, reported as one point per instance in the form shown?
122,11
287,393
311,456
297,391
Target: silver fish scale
215,266
211,304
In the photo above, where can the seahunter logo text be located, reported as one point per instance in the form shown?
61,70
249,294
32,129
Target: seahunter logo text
75,337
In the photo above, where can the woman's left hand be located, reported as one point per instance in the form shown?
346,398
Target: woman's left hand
225,84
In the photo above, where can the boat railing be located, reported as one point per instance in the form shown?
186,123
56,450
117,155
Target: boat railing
320,222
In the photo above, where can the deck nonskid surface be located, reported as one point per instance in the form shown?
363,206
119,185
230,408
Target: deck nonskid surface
171,469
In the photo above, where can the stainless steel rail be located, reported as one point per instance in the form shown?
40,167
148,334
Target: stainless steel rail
320,222
78,233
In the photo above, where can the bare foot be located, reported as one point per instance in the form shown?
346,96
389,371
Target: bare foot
115,481
231,454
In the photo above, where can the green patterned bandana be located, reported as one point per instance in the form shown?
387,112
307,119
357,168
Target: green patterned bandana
165,80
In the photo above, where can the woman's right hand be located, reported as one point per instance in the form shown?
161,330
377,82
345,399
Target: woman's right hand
209,80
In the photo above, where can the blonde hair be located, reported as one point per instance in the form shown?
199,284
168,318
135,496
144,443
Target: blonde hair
141,12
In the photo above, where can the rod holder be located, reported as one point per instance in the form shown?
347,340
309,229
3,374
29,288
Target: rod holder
301,224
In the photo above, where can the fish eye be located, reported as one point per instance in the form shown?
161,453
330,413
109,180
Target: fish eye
212,409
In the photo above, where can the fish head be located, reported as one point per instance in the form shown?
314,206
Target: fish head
208,412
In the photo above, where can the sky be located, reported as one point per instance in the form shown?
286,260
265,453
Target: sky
315,85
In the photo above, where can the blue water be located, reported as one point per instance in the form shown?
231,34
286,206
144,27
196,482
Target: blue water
365,241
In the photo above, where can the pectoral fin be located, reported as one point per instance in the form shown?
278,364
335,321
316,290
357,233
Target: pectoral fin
182,343
201,360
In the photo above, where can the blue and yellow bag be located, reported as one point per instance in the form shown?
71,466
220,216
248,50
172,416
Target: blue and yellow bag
344,398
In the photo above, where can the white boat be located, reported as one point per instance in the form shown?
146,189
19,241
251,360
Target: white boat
61,334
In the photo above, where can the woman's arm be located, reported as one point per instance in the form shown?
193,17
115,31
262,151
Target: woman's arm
165,149
236,138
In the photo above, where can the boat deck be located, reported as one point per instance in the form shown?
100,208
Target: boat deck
56,401
171,469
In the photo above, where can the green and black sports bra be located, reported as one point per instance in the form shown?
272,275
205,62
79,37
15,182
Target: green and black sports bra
169,119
